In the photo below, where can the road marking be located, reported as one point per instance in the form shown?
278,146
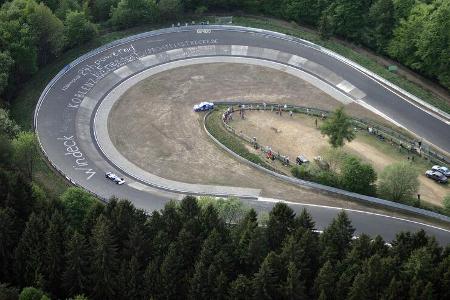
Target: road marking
297,61
376,111
273,200
346,86
239,50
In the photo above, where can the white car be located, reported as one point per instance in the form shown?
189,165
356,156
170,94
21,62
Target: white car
442,170
203,106
113,177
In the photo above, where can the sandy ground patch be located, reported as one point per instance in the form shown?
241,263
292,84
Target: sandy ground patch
154,127
297,135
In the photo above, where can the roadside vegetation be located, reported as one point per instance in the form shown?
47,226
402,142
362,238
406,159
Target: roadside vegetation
348,168
215,127
58,242
74,247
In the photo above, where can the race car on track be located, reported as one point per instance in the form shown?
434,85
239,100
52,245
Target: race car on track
441,169
203,106
113,177
437,176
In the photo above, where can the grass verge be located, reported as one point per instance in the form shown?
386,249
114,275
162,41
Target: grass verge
216,129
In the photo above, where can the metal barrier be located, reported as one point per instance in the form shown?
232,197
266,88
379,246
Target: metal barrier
408,144
320,187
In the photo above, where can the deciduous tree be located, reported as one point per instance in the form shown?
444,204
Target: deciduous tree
338,127
398,182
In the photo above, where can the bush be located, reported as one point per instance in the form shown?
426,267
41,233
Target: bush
78,29
301,172
327,178
358,177
31,293
77,203
130,13
399,182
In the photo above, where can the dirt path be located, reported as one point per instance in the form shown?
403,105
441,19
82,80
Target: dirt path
294,136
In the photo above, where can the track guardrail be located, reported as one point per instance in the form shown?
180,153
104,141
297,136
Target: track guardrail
320,187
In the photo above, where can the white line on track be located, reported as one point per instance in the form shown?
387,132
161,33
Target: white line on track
273,200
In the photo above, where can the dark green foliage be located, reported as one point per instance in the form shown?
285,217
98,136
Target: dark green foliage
101,9
188,251
358,177
281,223
31,293
75,276
54,253
9,237
8,293
78,28
134,12
338,127
30,252
77,203
104,261
336,238
241,288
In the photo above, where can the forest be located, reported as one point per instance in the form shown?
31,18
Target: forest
35,33
76,247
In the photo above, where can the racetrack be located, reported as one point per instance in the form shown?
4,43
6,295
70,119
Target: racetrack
65,113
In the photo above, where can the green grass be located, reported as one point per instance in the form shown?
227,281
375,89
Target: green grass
23,105
216,129
48,179
349,53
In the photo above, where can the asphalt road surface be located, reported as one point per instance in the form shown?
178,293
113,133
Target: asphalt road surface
61,112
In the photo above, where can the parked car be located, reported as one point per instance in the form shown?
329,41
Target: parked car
437,176
203,106
113,177
441,169
300,160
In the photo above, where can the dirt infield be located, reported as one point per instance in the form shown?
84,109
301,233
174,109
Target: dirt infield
153,125
293,135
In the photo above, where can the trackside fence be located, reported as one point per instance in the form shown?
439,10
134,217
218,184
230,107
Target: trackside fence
320,187
384,133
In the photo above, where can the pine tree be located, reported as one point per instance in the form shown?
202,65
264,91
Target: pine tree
281,223
134,288
336,238
173,279
189,208
241,288
360,288
104,260
250,244
396,290
215,258
152,280
91,218
54,254
294,286
443,275
324,284
301,248
30,252
267,283
9,237
76,274
305,220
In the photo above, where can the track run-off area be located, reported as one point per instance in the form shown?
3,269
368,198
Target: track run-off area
71,115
